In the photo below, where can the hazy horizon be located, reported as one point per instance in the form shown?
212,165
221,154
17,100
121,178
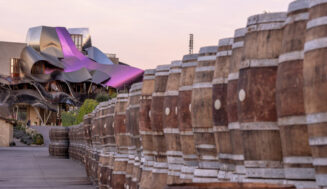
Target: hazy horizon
142,33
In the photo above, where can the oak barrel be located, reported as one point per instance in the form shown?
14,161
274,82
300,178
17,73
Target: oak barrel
257,97
170,123
219,108
315,98
190,158
110,147
160,166
145,130
297,156
237,156
122,142
132,124
59,142
201,111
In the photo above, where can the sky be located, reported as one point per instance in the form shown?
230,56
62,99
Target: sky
143,33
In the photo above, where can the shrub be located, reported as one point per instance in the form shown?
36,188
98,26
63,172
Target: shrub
102,97
68,118
38,139
87,107
113,95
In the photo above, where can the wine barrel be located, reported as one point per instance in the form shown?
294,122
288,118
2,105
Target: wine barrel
160,166
190,158
145,128
72,142
297,156
201,111
87,119
314,75
237,157
82,142
170,123
95,151
132,125
110,147
122,142
229,185
219,109
257,100
59,142
104,157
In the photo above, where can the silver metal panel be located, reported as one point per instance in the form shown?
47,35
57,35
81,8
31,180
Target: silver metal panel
86,36
49,43
98,56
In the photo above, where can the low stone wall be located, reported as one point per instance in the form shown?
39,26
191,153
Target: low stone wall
6,133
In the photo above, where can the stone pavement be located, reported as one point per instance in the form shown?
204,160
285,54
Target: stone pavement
33,168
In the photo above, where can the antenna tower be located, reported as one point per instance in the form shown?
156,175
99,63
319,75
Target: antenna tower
191,44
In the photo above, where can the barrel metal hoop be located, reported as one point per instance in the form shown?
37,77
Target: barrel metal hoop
317,141
207,58
259,126
316,117
291,56
292,120
202,85
315,44
220,80
238,44
298,160
233,76
234,126
259,63
297,18
265,27
205,68
320,161
224,53
186,88
189,64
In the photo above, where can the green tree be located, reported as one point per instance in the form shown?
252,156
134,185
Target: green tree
87,107
102,97
68,118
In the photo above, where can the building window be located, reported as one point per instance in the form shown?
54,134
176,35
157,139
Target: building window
78,40
22,114
14,67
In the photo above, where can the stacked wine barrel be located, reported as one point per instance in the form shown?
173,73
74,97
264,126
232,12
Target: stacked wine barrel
59,142
248,113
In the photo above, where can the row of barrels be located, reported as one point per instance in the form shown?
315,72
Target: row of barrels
252,109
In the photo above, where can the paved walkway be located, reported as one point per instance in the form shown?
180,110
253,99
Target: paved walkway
33,168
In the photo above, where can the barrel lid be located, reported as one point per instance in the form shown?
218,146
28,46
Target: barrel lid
225,42
298,5
163,67
189,57
208,49
176,63
149,72
266,18
136,86
240,32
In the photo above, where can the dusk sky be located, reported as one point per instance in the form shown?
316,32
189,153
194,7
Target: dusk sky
143,33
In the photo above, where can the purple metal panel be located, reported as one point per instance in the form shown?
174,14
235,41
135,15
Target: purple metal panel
74,60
